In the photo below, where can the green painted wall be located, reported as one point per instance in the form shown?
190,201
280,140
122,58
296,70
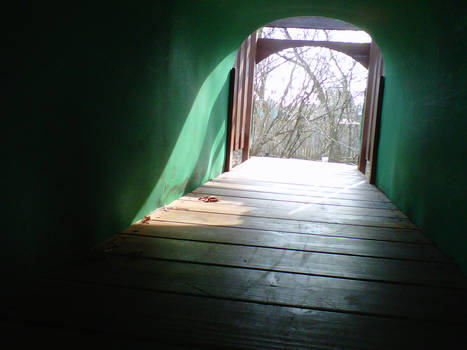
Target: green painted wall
112,113
115,111
423,159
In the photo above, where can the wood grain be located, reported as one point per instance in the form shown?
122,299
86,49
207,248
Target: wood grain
305,227
288,240
294,255
280,260
277,288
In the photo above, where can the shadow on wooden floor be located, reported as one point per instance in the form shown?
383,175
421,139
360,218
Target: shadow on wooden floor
292,255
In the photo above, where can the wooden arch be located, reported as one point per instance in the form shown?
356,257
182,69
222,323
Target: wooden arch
255,49
358,51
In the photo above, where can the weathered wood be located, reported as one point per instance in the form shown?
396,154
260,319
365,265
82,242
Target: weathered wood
146,318
299,262
302,227
278,288
267,196
288,240
357,185
301,213
299,171
373,100
216,191
247,113
358,51
299,207
230,121
206,280
346,181
325,192
241,92
312,22
376,129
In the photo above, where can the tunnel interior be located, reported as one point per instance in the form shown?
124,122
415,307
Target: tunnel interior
117,110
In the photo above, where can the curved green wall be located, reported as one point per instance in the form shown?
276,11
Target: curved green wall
115,111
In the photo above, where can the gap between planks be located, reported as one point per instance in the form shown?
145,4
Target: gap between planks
433,274
383,222
208,321
289,241
409,236
277,288
373,197
280,197
286,206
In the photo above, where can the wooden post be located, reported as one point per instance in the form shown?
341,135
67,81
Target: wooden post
241,101
230,131
373,101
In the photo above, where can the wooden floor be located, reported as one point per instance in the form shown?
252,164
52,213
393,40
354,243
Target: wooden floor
294,255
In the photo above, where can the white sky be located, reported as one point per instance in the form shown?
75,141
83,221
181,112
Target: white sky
278,78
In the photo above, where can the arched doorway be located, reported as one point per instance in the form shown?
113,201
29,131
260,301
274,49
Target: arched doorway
255,49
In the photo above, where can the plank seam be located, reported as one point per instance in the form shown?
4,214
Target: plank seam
290,219
301,233
244,267
202,191
241,180
283,248
189,199
301,195
279,304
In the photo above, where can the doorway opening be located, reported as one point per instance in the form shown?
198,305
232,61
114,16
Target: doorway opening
307,88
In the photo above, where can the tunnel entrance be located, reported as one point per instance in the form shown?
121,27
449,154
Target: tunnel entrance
259,47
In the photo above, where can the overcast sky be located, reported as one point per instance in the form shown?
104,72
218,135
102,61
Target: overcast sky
279,77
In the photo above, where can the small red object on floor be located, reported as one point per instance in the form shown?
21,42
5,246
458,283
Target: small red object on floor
209,199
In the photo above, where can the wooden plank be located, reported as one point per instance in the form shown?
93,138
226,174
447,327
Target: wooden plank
278,260
230,121
313,22
301,172
295,168
292,198
375,72
288,240
278,288
358,51
358,186
352,184
243,282
234,130
374,120
242,98
238,98
377,126
302,227
341,194
243,91
249,95
301,207
302,213
148,318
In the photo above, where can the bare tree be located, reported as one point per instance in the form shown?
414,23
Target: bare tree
314,114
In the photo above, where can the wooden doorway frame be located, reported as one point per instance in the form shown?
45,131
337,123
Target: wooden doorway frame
241,101
253,50
372,115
